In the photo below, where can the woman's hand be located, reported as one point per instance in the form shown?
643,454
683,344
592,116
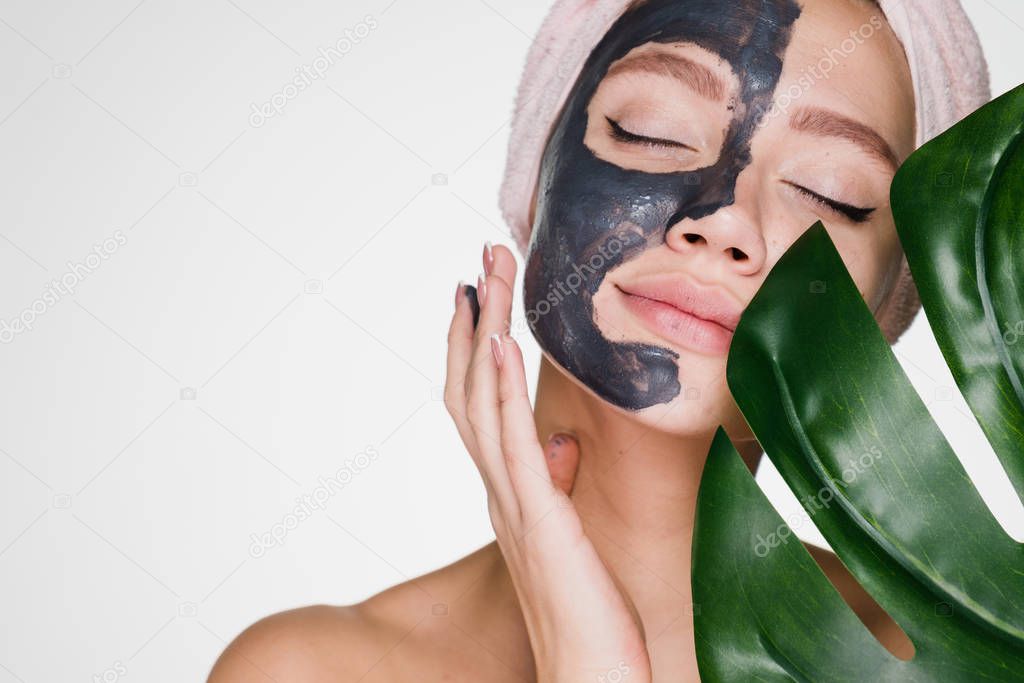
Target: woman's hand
581,625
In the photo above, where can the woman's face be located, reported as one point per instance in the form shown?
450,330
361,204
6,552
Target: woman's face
701,138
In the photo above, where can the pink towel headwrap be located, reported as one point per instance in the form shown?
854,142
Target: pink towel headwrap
947,65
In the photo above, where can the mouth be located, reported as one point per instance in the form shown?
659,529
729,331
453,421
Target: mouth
679,311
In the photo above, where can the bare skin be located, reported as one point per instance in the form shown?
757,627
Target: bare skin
463,622
632,479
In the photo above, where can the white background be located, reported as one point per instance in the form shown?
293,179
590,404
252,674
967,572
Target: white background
126,512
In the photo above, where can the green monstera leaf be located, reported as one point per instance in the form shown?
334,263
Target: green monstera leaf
827,399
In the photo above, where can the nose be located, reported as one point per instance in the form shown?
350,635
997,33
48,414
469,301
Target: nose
729,238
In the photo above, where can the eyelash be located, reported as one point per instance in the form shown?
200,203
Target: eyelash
856,214
623,135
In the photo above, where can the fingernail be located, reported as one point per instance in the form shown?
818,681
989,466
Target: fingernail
474,304
460,292
488,257
481,287
556,439
555,443
551,451
499,353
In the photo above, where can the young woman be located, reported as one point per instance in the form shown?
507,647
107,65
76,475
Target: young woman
698,141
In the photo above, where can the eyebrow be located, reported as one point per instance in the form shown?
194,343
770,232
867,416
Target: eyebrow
697,77
827,123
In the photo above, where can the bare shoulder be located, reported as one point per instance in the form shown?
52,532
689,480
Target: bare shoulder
404,632
315,643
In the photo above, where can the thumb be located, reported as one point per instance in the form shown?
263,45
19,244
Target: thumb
562,454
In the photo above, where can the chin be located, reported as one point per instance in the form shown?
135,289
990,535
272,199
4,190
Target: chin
703,403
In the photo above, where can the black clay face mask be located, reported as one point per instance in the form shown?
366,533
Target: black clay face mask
593,215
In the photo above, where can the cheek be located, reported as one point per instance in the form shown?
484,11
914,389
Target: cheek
703,403
871,252
873,263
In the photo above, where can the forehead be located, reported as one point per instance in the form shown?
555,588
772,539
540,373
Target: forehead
839,55
844,56
738,30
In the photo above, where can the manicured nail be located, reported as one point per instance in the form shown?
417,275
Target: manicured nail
481,288
470,294
460,292
488,257
555,443
499,353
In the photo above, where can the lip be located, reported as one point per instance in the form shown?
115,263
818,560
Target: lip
699,318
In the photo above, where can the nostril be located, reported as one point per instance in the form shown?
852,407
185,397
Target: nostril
736,253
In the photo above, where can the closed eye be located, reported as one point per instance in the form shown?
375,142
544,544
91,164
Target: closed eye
856,214
623,135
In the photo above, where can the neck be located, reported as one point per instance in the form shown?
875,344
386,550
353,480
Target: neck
636,492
